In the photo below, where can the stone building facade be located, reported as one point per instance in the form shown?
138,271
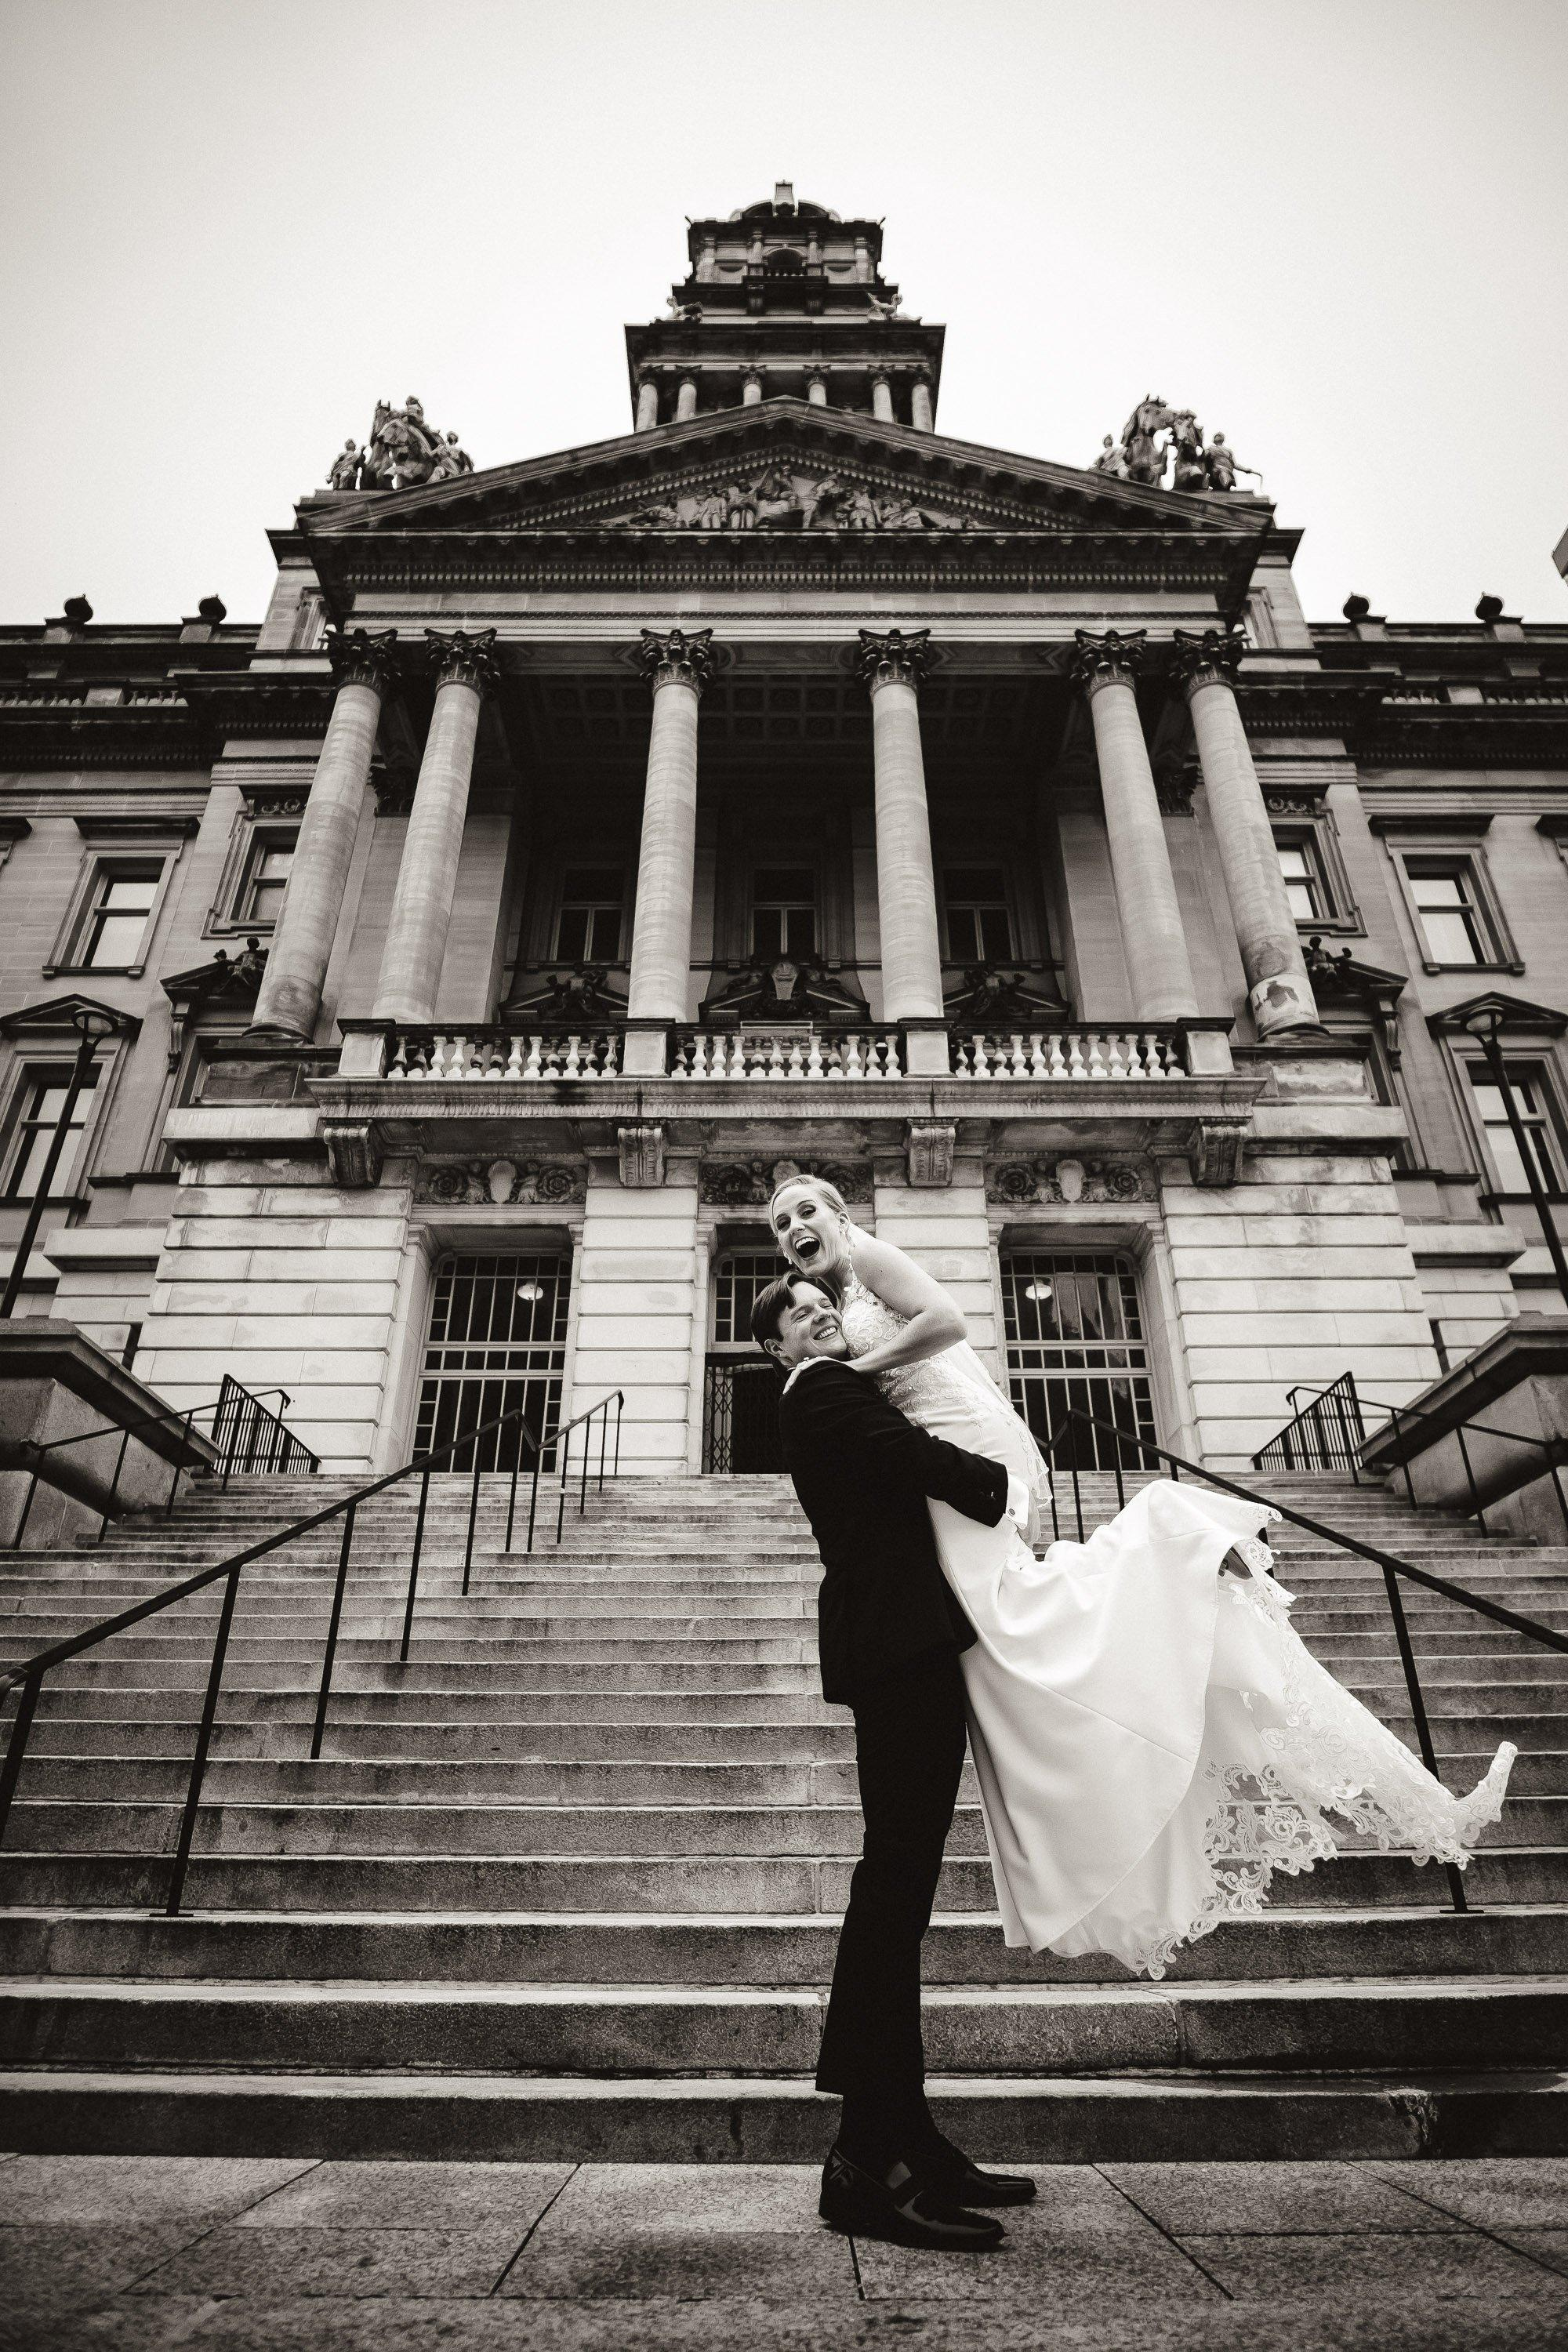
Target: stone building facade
578,840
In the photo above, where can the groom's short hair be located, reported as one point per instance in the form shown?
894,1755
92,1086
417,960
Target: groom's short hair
768,1311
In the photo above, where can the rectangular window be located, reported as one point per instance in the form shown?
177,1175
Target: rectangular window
43,1098
1444,891
979,923
588,928
116,921
784,911
1303,881
266,879
1532,1102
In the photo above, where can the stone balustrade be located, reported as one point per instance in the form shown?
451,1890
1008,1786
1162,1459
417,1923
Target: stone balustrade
446,1055
797,1053
788,1056
1069,1054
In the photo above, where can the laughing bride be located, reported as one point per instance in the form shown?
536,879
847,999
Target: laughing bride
1151,1737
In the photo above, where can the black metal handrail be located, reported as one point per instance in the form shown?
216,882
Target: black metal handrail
28,1677
244,1407
254,1442
1326,1435
1392,1566
1556,1449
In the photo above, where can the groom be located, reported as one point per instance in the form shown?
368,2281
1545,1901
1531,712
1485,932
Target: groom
889,1630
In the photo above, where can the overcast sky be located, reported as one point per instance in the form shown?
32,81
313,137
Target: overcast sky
1335,228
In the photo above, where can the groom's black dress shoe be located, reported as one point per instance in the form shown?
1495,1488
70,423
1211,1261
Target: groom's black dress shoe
957,2179
898,2205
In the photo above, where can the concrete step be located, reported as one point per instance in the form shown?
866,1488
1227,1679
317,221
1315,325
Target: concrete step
674,2030
639,1883
500,2119
418,1777
628,1947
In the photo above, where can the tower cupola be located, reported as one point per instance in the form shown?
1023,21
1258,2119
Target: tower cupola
784,298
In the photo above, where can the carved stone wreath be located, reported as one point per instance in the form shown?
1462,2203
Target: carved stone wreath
750,1183
500,1184
1021,1183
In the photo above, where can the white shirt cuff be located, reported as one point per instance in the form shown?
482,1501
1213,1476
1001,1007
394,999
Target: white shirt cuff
1018,1501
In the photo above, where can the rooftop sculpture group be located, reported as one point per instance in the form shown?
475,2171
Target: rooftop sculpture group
1142,455
402,451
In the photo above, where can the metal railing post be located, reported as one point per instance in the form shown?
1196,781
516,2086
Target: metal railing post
16,1746
511,1498
1476,1511
473,1515
1077,1492
533,1495
1418,1715
616,1471
332,1624
414,1567
204,1742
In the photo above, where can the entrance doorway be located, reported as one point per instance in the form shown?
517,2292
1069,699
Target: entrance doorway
1075,1337
498,1340
740,1389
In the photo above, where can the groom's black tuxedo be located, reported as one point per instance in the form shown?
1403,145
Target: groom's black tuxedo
862,1474
890,1631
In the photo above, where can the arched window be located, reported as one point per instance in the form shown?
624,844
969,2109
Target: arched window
784,263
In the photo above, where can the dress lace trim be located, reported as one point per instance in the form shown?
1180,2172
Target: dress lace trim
1329,1754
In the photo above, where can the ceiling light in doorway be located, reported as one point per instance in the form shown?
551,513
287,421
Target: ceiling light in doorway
530,1291
1038,1291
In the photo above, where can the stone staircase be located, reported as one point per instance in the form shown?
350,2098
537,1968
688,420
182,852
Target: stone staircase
567,1884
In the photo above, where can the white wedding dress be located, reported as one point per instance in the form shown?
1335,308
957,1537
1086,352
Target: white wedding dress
1152,1739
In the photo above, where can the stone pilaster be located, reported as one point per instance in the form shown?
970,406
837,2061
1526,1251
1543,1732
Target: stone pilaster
676,663
882,399
648,403
891,664
751,387
1151,929
291,994
428,876
816,388
1277,988
920,414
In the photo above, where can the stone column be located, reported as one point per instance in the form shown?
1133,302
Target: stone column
676,664
891,665
647,403
920,405
1151,931
882,399
751,388
427,875
816,388
1277,988
686,399
291,994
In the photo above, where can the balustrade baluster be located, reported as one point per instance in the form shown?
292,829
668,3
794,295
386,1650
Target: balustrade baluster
514,1055
796,1068
398,1066
533,1061
1115,1056
611,1062
437,1065
813,1056
1076,1068
1058,1067
1097,1068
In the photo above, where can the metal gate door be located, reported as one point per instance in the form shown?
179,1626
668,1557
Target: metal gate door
740,1391
1075,1336
497,1339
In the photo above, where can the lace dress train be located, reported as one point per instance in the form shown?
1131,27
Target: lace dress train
1152,1740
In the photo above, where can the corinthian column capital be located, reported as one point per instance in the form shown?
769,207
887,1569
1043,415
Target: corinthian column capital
1207,656
1113,659
893,658
464,657
364,658
676,657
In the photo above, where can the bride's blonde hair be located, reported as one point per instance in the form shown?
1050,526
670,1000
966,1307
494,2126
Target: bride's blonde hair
830,1193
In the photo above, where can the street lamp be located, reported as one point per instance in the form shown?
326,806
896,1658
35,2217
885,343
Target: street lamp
1484,1025
92,1025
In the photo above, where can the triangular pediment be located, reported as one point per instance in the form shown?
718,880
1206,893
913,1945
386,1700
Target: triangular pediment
778,467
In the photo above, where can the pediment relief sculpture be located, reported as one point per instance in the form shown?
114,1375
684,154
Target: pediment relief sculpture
780,499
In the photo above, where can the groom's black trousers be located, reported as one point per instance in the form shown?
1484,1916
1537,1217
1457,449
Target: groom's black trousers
909,1753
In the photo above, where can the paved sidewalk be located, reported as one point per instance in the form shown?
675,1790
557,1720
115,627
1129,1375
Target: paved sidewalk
135,2253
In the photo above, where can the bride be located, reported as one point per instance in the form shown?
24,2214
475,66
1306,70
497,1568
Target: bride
1151,1738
